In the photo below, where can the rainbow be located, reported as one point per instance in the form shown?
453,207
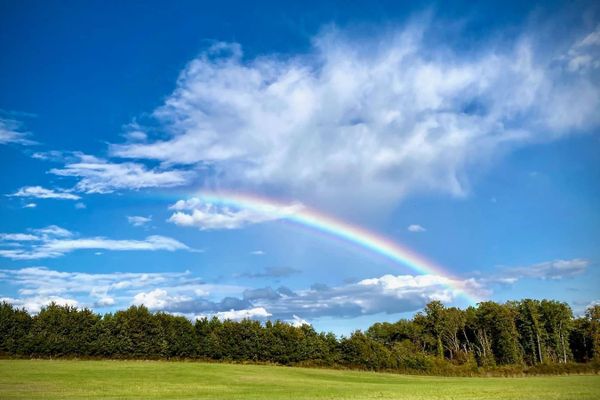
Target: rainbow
352,234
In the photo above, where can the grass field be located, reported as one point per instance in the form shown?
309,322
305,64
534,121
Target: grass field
48,379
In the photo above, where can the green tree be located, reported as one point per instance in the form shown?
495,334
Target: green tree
593,316
557,318
531,329
14,327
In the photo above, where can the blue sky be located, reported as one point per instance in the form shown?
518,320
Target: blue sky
468,134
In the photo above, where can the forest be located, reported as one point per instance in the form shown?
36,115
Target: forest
527,336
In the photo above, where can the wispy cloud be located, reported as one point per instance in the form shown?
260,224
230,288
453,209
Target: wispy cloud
96,175
584,55
137,220
54,241
415,228
53,231
547,270
271,272
43,193
17,237
11,131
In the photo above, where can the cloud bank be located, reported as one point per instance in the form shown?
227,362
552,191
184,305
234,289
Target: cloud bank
381,117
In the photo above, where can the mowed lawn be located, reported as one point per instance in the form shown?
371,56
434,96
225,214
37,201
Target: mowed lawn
61,379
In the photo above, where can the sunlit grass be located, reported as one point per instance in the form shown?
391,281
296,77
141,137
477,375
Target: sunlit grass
62,379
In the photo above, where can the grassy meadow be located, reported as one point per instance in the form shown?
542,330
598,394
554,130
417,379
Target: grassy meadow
68,379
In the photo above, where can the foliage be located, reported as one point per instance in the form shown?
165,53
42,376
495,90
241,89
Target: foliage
527,336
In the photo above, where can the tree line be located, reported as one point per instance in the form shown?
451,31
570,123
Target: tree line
516,336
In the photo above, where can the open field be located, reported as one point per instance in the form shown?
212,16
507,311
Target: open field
62,379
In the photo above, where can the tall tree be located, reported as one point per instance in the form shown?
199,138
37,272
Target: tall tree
557,318
593,316
532,330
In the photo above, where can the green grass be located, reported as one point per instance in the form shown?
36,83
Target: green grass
64,379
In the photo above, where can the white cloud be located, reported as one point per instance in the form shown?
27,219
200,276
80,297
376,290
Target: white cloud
34,304
257,253
169,291
298,322
30,205
38,286
43,193
585,53
105,301
18,237
80,206
11,132
138,220
236,315
208,215
51,155
154,242
379,117
54,230
157,299
56,242
416,228
100,176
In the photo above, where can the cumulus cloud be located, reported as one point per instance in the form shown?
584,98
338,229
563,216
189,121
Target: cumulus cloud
207,215
54,241
11,131
43,193
34,304
382,116
298,322
97,175
416,228
137,220
38,286
157,299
